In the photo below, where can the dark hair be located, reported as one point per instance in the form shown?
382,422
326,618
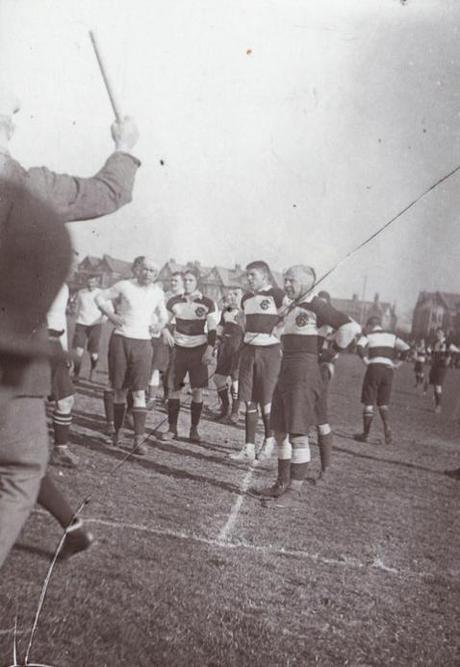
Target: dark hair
193,271
136,261
324,295
178,273
93,276
258,265
374,321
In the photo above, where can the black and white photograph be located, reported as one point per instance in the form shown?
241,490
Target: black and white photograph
229,333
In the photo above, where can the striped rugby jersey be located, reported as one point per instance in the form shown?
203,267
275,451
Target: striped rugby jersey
231,323
304,324
195,320
261,312
440,353
381,347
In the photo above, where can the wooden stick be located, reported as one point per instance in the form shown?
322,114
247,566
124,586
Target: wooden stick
108,84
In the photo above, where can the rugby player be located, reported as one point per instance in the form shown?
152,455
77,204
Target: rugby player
229,341
176,288
140,311
62,388
88,327
297,395
193,339
440,359
420,355
379,351
260,357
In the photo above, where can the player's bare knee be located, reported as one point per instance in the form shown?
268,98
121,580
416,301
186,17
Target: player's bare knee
324,429
65,404
197,395
139,398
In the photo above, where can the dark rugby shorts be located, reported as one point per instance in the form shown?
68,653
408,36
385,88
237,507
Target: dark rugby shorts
437,374
228,357
130,362
188,360
61,382
160,354
377,385
259,370
296,399
87,336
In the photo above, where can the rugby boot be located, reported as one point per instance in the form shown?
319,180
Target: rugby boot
290,497
282,482
194,436
221,416
247,454
454,474
138,445
360,437
266,451
110,428
275,490
168,435
62,456
389,436
77,539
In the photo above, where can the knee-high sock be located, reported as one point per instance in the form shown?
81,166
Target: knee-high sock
223,395
437,396
284,460
368,416
266,422
383,410
77,366
129,401
325,444
139,416
52,500
108,405
195,409
119,411
300,458
173,413
93,361
251,423
61,427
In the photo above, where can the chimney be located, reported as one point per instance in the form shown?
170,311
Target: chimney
376,297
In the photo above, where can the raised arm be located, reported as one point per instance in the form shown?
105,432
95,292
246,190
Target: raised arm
75,198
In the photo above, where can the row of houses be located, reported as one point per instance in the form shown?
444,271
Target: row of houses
434,310
217,280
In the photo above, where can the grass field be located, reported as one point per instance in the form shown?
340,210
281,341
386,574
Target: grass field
188,569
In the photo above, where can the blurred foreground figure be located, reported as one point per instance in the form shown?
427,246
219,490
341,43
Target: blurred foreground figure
35,256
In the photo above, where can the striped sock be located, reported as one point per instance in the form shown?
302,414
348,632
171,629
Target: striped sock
61,427
139,415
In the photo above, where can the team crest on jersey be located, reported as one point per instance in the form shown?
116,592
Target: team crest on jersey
265,304
301,321
200,312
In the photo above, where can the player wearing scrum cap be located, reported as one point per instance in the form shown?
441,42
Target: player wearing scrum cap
140,311
296,398
24,451
379,350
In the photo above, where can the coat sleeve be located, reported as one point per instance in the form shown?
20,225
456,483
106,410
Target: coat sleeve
75,198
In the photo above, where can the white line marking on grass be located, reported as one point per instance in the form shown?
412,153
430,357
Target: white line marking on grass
343,561
227,528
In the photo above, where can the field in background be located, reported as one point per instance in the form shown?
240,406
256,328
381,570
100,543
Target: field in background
186,570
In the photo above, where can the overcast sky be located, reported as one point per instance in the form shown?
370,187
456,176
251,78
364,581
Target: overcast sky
289,130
